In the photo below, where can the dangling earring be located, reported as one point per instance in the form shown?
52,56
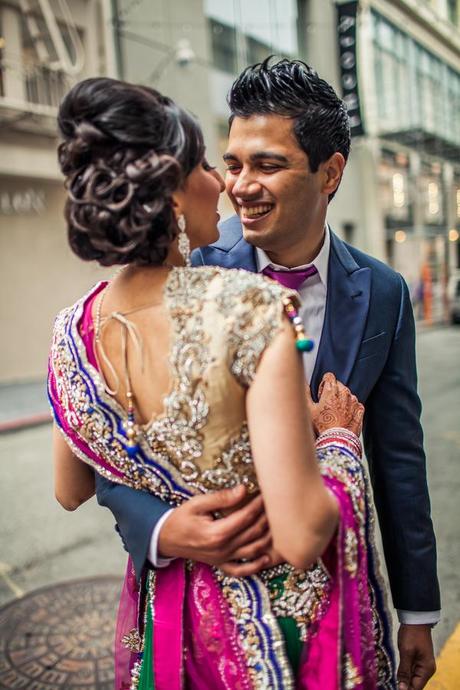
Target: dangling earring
183,242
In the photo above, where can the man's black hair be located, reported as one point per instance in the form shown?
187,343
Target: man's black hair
293,89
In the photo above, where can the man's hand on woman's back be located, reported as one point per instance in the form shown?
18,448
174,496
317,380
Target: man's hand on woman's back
239,543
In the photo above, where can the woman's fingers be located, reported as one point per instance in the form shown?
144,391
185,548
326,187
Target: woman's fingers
231,527
245,569
327,383
259,529
253,550
337,406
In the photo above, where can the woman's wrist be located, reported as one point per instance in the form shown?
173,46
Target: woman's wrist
338,436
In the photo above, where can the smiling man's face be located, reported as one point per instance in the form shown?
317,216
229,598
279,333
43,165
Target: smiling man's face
268,179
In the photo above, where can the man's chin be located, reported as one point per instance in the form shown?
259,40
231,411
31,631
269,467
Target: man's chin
258,238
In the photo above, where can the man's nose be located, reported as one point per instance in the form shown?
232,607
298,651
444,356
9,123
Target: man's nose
246,185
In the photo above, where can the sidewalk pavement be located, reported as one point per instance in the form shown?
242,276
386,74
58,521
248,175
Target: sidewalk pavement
23,405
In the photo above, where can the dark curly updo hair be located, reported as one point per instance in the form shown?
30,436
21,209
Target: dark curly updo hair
126,149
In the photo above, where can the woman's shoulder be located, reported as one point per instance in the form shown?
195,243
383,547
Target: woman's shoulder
76,310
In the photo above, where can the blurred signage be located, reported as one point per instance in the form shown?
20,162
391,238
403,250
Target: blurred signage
346,35
22,203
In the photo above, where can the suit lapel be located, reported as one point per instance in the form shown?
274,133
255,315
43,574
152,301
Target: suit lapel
347,304
242,255
231,250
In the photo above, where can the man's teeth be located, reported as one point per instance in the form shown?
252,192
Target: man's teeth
256,210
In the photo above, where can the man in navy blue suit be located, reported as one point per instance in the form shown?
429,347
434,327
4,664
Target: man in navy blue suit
288,145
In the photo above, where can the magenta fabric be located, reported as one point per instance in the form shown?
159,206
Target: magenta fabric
86,325
346,631
167,627
215,658
320,667
190,613
127,619
290,279
70,432
86,333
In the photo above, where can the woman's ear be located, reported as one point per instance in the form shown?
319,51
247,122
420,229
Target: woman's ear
178,202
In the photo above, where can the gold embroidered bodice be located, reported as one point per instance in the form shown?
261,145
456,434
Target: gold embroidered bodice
221,322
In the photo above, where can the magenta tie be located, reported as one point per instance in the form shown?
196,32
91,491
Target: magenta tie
290,279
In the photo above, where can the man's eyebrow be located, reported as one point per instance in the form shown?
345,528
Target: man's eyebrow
259,155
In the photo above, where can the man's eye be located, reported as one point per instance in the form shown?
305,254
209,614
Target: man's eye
232,168
269,167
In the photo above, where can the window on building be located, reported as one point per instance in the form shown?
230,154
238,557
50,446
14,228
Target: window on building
33,67
2,45
243,32
452,105
429,80
348,230
257,51
395,192
415,90
223,41
452,11
432,190
391,74
456,200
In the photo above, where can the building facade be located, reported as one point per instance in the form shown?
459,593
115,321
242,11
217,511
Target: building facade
45,46
409,67
396,63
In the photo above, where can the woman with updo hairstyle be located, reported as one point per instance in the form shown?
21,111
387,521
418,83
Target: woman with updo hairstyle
126,150
185,385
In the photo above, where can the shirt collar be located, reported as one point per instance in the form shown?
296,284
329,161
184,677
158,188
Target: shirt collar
320,262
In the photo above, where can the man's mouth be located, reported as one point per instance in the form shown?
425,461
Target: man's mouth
255,212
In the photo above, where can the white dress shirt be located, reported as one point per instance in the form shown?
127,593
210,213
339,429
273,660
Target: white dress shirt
313,295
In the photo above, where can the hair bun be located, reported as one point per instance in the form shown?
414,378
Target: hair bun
126,150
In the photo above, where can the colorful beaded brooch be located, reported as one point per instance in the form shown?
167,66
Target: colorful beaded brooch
303,343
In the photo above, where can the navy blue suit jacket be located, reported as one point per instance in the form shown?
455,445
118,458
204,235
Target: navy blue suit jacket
368,341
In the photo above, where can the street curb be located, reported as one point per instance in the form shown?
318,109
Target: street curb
25,423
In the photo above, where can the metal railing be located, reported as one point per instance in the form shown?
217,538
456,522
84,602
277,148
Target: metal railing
33,84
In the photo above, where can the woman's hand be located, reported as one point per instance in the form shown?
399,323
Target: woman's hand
336,407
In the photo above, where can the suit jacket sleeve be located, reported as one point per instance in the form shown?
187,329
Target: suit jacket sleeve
136,514
393,440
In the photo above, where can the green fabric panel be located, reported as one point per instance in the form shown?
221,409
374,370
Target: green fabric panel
146,681
292,640
288,627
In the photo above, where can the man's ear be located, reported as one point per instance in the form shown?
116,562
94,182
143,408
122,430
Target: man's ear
332,170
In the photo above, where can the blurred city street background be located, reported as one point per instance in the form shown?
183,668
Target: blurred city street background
396,63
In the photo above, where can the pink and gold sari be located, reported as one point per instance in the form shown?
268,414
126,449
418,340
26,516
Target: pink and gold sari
189,625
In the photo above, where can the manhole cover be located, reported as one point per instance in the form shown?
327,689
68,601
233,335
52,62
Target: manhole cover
60,637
